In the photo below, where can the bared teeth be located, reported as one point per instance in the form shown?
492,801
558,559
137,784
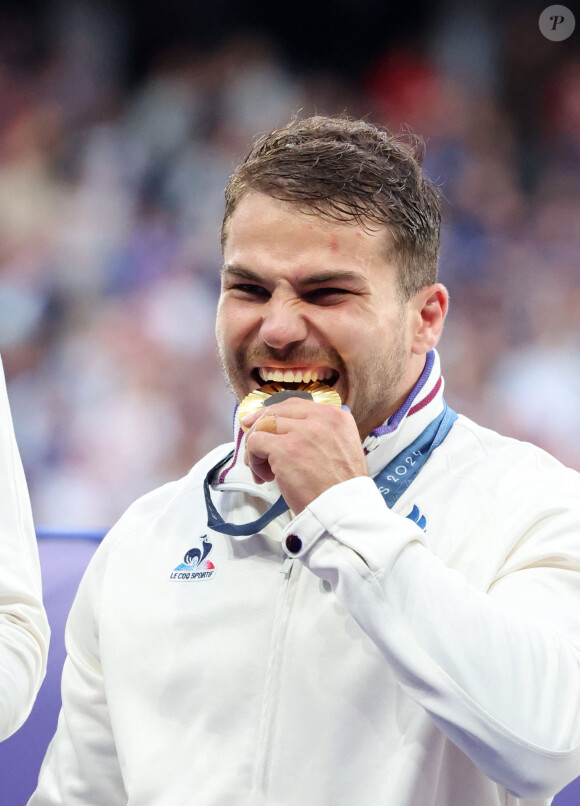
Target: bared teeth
294,376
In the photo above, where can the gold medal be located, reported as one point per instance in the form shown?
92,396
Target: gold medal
274,392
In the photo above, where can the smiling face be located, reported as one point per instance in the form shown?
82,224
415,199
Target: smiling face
304,298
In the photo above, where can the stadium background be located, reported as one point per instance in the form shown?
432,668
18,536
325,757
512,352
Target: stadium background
119,124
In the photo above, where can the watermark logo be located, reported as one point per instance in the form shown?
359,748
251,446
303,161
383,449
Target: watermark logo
557,23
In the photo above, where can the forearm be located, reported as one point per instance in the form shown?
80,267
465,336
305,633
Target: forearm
503,687
23,649
24,631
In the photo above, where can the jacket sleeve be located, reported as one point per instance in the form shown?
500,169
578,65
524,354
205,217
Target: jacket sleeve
497,670
24,632
81,765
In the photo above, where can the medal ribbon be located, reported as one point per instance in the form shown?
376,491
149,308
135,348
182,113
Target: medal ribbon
401,471
392,481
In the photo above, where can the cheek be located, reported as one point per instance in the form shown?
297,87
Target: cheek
232,326
220,324
225,330
355,338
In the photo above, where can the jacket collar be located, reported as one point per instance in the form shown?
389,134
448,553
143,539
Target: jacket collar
422,405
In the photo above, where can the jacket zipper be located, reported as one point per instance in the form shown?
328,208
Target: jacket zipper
259,795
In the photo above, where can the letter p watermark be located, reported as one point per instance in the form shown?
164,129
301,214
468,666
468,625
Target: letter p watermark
557,23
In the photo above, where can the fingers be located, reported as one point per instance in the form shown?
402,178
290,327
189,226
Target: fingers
260,467
283,443
268,423
257,451
292,408
260,427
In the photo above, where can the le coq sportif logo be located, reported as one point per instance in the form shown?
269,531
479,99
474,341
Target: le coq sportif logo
195,565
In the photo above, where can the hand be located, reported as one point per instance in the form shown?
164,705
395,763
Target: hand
307,447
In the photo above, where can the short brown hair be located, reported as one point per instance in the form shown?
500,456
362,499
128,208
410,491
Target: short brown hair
350,170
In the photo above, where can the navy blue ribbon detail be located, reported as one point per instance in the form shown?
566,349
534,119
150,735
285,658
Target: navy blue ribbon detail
401,471
217,523
392,481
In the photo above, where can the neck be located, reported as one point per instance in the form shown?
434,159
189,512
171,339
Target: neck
420,374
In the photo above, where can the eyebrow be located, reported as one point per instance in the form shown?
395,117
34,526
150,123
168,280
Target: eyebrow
239,271
332,275
325,276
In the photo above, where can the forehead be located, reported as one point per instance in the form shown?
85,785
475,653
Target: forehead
287,229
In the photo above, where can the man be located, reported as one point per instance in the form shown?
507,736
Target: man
407,633
24,631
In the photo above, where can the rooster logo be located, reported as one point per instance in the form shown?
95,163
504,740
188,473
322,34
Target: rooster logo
195,564
195,557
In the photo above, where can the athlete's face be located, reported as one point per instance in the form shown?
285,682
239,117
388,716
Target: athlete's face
304,298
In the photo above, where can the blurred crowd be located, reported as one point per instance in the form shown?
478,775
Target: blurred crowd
110,206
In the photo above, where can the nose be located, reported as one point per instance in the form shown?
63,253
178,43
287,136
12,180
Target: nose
282,324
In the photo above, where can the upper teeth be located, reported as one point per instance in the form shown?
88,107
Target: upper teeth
294,376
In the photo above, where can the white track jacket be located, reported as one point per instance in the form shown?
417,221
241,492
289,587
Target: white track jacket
384,665
24,629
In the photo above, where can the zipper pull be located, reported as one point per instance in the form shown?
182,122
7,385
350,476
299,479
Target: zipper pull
287,565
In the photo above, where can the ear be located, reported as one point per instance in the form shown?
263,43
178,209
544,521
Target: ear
429,309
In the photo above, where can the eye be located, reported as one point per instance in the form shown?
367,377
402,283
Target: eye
327,295
250,291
